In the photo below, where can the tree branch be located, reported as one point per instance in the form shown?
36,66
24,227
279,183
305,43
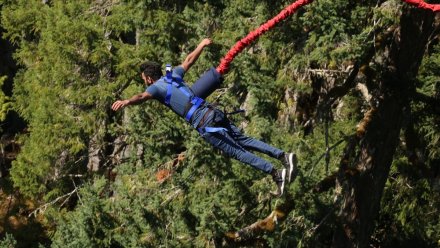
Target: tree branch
166,170
267,224
43,208
343,89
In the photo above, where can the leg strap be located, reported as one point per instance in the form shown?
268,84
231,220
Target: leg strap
211,130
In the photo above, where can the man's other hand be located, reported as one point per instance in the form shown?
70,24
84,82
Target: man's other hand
206,42
119,104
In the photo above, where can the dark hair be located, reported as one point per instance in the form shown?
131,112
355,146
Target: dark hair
151,69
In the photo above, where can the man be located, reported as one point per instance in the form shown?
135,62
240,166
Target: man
211,123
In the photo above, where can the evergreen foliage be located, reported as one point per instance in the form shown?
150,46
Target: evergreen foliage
78,56
4,102
8,241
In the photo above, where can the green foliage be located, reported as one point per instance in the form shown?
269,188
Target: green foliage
429,84
77,57
8,241
5,102
410,209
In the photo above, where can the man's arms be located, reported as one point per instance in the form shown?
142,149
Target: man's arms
144,96
194,55
136,99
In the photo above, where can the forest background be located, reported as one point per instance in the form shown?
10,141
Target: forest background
352,87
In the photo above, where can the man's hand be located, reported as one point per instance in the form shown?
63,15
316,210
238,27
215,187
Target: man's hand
119,104
206,42
194,55
134,100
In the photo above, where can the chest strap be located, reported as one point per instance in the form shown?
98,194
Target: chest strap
178,83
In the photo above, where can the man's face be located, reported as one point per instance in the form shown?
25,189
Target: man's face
147,79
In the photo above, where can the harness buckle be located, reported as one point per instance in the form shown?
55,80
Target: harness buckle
169,73
168,68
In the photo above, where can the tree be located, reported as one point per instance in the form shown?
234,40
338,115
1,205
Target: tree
338,83
362,192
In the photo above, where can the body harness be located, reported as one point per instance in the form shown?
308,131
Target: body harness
195,101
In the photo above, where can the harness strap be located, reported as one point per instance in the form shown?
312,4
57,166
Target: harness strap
196,101
177,83
168,96
211,130
169,79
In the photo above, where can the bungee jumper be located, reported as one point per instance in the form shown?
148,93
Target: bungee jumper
212,124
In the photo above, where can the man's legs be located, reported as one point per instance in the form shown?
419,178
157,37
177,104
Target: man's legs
227,144
232,148
235,144
288,159
252,143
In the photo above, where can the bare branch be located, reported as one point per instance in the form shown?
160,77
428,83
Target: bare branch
326,153
343,89
43,208
362,88
267,224
166,170
326,72
171,197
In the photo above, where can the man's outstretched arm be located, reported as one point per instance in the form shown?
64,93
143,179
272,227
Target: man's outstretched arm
194,55
134,100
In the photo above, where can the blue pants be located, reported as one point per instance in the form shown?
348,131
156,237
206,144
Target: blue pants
237,145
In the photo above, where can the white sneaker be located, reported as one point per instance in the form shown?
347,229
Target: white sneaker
290,163
279,178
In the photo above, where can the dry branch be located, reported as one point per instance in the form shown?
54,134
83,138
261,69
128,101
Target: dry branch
166,170
43,208
267,224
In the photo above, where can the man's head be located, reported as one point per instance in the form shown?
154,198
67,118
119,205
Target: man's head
150,72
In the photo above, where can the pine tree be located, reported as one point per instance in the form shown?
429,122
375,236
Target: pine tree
337,83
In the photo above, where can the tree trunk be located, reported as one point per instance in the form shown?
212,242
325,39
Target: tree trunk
360,193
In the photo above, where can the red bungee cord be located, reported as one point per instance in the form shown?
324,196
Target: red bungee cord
241,44
422,5
289,10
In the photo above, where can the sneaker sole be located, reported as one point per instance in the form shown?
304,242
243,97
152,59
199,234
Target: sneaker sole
292,166
283,176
